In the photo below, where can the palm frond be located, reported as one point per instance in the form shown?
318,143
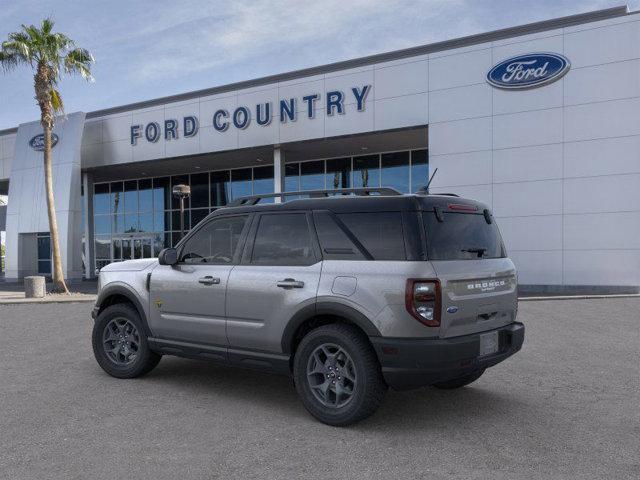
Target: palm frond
79,60
56,101
47,25
8,60
19,44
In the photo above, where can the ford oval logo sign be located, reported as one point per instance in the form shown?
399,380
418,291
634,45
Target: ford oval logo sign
528,71
37,142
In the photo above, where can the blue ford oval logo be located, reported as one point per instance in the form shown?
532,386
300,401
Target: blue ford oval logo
528,71
452,309
37,142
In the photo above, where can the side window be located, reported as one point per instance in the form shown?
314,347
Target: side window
215,243
334,242
380,233
283,239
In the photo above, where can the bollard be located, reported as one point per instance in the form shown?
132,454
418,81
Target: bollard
34,287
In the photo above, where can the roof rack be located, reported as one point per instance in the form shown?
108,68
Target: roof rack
254,199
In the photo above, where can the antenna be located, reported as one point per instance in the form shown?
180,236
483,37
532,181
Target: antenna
431,179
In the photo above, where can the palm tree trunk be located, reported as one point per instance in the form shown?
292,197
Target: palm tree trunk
59,285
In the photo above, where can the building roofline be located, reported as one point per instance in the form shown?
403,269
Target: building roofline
494,35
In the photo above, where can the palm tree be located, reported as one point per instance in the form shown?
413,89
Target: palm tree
47,53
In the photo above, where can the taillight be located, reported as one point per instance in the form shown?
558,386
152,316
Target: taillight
422,299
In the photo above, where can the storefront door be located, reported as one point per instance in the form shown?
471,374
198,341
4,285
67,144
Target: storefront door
132,247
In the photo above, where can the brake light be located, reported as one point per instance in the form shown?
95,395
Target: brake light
460,207
422,298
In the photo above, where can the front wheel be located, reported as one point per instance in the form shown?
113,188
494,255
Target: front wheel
337,375
120,344
460,381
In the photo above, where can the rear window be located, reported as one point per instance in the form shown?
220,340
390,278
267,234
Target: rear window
462,236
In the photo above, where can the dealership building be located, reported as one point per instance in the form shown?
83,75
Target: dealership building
541,122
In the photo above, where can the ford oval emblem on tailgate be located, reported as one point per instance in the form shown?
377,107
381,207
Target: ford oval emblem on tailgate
452,309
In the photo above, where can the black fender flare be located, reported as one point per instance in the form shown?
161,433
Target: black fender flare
125,291
326,308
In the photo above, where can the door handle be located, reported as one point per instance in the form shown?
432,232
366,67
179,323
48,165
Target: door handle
290,283
209,280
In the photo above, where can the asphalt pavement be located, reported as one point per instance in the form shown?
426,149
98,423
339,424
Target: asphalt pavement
566,406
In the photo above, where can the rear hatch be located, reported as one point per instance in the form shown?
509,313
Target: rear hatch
477,281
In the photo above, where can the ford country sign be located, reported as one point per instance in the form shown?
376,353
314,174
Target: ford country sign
528,71
37,142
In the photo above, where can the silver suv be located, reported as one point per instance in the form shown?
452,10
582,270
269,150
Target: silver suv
349,292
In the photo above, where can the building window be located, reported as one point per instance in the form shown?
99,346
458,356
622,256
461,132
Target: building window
44,253
366,171
419,169
220,188
395,171
338,173
312,175
241,183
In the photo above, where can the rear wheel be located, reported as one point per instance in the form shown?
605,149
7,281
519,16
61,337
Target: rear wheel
460,381
337,375
120,344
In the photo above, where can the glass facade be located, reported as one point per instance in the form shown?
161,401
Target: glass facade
138,218
406,171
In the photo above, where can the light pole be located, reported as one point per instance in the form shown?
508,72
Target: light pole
181,192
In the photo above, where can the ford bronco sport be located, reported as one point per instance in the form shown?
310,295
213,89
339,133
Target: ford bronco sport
347,291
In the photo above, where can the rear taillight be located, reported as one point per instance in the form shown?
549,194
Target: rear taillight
422,299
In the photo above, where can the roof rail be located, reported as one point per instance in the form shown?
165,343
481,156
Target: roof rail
254,199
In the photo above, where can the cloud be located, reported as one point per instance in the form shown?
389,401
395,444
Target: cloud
208,38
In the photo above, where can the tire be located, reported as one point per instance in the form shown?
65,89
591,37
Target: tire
360,378
136,358
460,381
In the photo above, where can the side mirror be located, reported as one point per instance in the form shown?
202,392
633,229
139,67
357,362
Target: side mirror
168,256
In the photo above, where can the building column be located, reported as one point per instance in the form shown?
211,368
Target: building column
278,171
87,186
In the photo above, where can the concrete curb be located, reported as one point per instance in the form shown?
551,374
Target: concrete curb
47,299
577,297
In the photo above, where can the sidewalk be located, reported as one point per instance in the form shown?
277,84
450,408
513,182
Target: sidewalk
11,293
7,298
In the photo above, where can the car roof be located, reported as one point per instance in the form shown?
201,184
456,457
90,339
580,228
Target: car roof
352,203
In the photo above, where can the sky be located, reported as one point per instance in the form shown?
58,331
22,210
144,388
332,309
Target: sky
149,49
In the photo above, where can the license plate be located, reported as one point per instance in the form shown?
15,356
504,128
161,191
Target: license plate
488,343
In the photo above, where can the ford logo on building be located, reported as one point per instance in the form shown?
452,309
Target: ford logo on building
528,71
37,142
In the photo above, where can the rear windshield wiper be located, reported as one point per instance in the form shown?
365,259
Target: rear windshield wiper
479,251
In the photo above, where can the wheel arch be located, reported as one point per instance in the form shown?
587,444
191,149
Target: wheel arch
119,293
323,313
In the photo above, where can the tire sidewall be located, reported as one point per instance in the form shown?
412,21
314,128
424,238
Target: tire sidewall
348,412
144,353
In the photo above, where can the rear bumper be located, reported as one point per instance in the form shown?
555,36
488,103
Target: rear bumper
413,363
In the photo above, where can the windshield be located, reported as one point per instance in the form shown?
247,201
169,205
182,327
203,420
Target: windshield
462,236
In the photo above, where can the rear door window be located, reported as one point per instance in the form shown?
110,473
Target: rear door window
462,236
283,239
380,233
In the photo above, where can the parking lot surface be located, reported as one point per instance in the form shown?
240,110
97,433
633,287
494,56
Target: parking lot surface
566,406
